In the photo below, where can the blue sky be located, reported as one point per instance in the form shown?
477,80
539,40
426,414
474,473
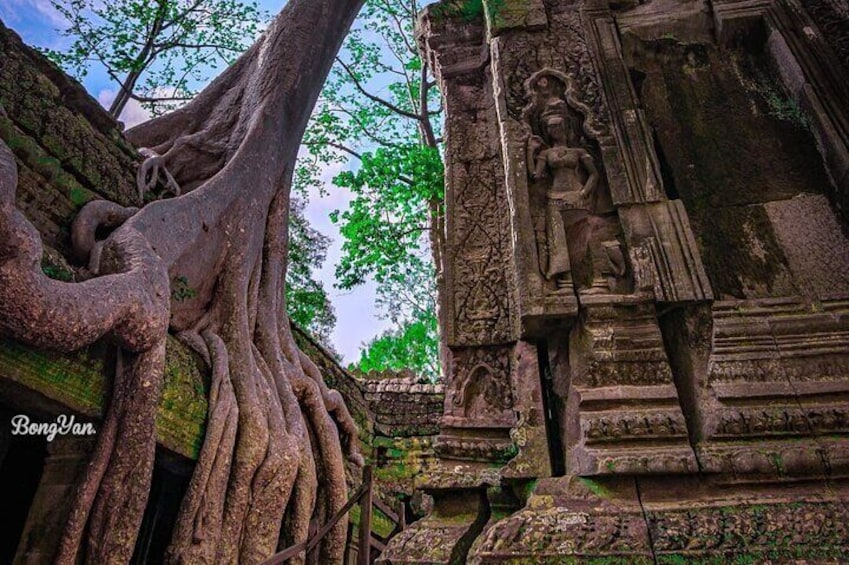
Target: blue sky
36,21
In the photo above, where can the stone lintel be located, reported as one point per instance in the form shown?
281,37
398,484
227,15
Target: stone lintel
76,384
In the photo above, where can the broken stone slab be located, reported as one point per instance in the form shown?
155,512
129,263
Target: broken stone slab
443,537
570,519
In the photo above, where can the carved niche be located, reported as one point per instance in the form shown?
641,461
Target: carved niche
577,230
480,395
479,406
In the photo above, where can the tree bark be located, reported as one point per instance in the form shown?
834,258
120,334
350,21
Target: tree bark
275,432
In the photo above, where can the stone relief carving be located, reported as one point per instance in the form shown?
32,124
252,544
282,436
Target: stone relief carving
762,421
578,237
616,347
651,461
641,265
542,532
648,425
479,237
831,17
774,526
771,456
787,421
481,392
566,49
477,449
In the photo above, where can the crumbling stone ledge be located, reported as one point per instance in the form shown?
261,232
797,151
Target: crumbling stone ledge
79,382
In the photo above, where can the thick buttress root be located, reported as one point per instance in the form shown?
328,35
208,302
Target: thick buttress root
272,461
132,305
198,526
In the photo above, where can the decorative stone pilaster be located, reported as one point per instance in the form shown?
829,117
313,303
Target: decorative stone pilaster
493,401
622,414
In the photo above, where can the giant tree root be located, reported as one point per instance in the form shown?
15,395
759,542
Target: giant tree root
272,461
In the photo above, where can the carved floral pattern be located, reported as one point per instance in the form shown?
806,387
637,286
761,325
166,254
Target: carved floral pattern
612,427
766,527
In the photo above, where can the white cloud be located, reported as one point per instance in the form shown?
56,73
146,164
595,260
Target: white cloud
133,113
357,318
19,10
46,9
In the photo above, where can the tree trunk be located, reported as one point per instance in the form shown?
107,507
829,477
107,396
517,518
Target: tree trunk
143,60
276,433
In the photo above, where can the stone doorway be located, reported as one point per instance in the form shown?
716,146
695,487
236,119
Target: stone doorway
21,464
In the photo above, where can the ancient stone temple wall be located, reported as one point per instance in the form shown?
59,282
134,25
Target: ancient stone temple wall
646,307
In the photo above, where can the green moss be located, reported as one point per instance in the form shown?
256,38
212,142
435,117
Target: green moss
180,289
23,146
577,560
47,166
395,453
678,559
524,489
79,195
380,524
35,158
596,488
56,272
79,380
54,145
181,419
498,12
468,10
75,380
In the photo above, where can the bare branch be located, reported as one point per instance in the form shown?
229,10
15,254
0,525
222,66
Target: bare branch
374,98
363,128
176,44
426,126
400,26
338,146
403,178
148,99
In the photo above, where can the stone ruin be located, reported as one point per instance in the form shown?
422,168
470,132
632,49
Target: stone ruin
646,302
68,151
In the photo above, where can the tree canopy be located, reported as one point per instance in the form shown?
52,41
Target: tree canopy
159,51
307,300
380,110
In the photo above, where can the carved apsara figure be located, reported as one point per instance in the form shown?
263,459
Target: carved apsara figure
557,155
574,177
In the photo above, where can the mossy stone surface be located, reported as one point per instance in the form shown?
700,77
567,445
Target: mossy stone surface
80,380
731,140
